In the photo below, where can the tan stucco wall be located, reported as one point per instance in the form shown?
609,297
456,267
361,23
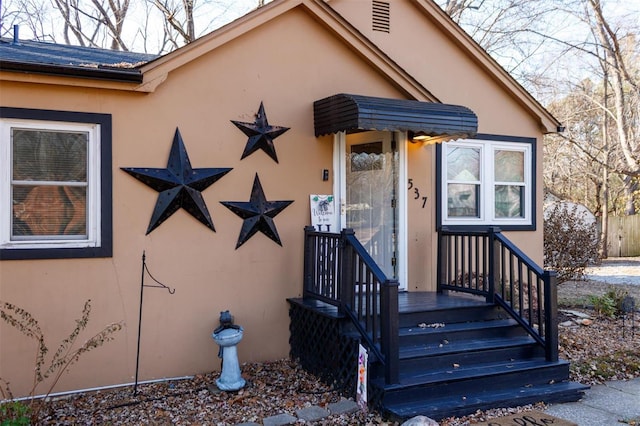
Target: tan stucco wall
209,275
287,73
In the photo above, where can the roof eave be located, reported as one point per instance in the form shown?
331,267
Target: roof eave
124,75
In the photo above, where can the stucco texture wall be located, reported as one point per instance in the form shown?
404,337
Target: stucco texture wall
207,272
287,63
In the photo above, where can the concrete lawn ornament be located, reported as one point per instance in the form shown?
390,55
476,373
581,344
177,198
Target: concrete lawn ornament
227,336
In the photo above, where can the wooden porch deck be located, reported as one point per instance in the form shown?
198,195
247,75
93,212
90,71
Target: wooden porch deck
408,302
420,301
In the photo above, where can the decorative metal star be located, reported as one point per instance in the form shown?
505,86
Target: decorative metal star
258,214
261,134
179,185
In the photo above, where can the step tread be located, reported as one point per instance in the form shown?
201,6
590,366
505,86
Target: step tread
427,376
440,407
457,327
463,346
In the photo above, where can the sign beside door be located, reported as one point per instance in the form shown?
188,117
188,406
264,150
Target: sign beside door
324,217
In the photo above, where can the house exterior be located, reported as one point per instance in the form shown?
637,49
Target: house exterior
232,114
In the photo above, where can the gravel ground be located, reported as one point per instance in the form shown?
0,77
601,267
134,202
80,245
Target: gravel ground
600,351
621,273
616,270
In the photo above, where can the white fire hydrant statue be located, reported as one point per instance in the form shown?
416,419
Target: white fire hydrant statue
227,336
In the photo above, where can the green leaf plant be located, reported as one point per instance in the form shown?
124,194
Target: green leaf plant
27,411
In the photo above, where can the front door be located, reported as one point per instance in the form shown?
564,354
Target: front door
371,172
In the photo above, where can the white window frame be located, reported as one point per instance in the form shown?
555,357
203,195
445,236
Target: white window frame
93,204
487,214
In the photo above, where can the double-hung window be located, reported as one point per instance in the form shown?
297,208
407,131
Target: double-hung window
487,182
55,184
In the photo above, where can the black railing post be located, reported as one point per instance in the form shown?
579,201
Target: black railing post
550,315
308,260
389,330
347,273
443,255
494,262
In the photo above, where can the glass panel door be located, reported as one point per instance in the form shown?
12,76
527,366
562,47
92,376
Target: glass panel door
371,196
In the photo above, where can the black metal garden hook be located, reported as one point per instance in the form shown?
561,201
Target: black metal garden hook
142,286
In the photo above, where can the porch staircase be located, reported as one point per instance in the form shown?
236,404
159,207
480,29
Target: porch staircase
488,338
465,358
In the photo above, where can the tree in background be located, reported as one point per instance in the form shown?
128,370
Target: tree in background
583,62
153,26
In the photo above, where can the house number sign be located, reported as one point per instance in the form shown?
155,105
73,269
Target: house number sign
416,193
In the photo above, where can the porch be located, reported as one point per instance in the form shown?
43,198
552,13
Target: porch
487,338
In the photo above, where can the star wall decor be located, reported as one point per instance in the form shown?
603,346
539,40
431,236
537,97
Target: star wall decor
261,135
179,185
258,214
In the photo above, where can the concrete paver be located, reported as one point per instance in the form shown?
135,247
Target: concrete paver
279,420
312,414
344,406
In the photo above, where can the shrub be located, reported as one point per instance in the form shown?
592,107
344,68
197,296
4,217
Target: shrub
17,412
610,303
570,242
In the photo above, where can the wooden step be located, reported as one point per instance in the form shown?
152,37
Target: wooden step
439,355
454,332
478,311
425,382
439,407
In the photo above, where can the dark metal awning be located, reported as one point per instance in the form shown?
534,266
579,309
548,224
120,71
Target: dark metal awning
355,113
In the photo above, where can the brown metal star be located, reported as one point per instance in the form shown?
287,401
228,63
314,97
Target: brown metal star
258,214
179,185
261,134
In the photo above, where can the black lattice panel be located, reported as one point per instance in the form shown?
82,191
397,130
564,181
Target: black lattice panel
317,343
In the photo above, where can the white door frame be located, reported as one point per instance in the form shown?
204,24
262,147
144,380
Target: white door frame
340,186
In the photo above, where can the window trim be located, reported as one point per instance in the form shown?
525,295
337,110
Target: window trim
103,245
484,222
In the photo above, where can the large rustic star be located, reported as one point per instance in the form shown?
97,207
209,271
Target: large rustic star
258,214
261,134
178,185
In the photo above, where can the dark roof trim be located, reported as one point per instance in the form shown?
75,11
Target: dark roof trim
38,57
129,75
356,113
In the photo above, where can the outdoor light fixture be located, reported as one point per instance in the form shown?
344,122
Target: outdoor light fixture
422,137
418,136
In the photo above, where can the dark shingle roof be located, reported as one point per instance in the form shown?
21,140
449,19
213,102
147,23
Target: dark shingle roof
61,59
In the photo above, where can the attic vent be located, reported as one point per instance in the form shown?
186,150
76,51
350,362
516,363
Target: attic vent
380,16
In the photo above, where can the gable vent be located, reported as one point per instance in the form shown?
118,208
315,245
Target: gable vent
380,16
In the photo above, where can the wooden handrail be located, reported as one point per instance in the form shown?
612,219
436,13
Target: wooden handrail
338,270
485,262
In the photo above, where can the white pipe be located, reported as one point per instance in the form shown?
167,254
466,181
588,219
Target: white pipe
59,395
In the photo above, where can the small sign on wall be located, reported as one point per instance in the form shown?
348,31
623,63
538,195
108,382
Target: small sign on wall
323,213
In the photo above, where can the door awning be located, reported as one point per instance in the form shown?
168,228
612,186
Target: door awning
356,113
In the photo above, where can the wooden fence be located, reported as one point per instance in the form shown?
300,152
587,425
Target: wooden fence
624,236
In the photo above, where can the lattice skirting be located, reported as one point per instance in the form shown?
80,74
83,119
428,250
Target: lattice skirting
321,349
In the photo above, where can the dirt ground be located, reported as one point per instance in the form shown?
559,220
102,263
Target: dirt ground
621,273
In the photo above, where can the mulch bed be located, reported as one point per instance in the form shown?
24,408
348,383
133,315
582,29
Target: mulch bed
607,349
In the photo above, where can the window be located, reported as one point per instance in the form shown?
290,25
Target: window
487,182
55,184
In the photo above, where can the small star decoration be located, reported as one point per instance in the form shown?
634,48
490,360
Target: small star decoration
178,185
261,135
258,214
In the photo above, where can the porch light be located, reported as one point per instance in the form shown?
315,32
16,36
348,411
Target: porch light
422,137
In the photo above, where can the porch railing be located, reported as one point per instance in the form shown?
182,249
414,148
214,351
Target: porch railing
339,271
486,263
